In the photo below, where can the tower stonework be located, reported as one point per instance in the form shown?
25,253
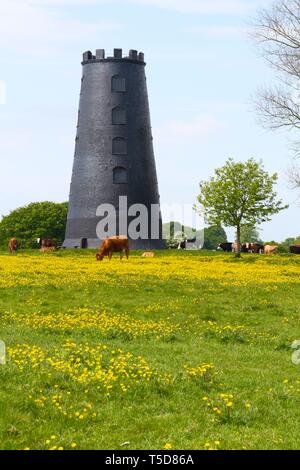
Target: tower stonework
114,149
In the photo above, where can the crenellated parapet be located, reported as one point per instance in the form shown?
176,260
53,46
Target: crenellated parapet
99,56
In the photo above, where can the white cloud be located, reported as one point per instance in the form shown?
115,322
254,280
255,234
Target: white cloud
179,131
184,6
32,29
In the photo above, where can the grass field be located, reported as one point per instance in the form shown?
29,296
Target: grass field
185,351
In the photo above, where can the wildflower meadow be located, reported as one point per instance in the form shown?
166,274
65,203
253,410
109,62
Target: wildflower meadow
186,350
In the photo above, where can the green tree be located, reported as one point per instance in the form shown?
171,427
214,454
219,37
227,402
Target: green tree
288,242
37,220
249,234
239,194
285,245
213,236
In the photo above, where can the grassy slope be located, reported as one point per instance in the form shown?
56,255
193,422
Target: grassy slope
251,364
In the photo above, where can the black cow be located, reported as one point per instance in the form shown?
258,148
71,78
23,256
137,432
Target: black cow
225,247
295,249
245,247
182,245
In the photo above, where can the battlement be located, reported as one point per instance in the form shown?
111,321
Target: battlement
133,56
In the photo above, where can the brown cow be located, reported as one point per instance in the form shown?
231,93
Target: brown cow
46,244
148,254
113,245
270,249
252,248
13,245
256,248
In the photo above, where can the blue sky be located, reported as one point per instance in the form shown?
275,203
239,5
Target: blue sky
202,71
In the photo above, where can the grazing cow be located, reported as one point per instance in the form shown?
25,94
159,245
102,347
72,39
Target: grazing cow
225,247
270,249
182,245
13,245
256,248
148,254
245,248
113,245
252,248
295,249
46,244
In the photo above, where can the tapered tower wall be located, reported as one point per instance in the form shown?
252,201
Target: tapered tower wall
114,146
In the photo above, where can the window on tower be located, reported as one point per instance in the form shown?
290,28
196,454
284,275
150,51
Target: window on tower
118,116
120,175
118,84
119,146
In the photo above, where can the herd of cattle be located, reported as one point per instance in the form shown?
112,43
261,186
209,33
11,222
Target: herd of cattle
121,244
248,248
255,248
107,248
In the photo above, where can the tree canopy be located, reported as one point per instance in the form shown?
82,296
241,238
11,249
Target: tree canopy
239,194
36,220
213,236
250,234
